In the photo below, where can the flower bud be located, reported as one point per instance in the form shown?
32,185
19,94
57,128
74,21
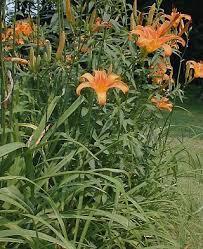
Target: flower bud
61,46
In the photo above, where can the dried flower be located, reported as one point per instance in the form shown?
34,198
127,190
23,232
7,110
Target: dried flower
17,60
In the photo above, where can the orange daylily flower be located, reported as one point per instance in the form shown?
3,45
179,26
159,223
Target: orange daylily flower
183,21
197,67
101,82
162,104
20,41
101,24
152,38
159,74
24,28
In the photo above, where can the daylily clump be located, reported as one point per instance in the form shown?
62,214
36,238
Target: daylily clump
101,82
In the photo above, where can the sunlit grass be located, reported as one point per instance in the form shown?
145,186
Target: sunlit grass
187,120
187,134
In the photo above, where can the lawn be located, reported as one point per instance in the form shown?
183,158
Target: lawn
187,120
187,132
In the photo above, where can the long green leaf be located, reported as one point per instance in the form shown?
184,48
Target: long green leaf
8,148
64,116
44,120
25,233
57,233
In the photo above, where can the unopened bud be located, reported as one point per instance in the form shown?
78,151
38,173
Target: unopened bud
32,59
49,50
61,46
151,14
69,15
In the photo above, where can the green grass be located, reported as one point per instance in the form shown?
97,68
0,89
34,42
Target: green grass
187,120
190,185
187,132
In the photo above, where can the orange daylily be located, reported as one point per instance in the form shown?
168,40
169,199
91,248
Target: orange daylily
180,21
152,38
162,104
20,41
159,74
101,82
197,67
24,28
101,24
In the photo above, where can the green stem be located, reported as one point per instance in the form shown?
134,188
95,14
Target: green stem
85,229
77,223
38,24
11,115
3,80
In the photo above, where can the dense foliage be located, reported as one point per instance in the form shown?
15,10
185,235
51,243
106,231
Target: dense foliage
91,171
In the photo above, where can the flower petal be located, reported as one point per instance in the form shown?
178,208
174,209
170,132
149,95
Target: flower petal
88,77
154,100
120,85
168,24
111,78
101,98
167,38
145,32
167,50
81,86
166,106
191,64
100,77
17,60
